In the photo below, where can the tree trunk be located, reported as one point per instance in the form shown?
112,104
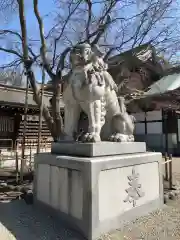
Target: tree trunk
25,58
56,108
45,110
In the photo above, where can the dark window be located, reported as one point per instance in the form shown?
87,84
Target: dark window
169,122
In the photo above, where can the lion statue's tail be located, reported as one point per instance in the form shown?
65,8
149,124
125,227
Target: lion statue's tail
130,123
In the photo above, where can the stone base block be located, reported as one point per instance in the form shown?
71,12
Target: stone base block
96,195
97,149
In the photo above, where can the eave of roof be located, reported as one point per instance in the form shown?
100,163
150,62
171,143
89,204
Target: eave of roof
165,84
16,97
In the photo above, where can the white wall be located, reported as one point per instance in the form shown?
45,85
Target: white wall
140,128
154,138
154,115
139,116
152,127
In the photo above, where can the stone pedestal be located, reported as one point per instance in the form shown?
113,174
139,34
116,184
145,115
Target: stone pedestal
96,194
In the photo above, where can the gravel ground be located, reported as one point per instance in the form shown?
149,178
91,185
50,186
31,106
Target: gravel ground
19,221
160,225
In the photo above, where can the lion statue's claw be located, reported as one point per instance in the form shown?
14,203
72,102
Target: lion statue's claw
91,137
118,137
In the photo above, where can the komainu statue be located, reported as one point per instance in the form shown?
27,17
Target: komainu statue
91,89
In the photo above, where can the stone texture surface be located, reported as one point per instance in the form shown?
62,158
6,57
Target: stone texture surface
97,98
60,191
112,196
54,178
97,187
19,221
98,149
63,190
43,183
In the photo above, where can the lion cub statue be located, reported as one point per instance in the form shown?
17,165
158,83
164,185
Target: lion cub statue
90,88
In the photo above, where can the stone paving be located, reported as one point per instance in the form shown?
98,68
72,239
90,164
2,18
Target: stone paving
19,221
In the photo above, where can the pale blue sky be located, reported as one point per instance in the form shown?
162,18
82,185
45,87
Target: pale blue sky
46,8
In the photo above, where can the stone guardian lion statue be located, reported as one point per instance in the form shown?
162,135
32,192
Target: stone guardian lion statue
91,89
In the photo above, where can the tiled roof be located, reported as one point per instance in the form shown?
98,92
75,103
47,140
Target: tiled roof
16,97
165,84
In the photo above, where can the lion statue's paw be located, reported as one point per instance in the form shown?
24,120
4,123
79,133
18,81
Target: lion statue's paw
91,137
119,137
131,138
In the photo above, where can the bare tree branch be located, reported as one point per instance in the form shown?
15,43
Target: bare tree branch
6,31
70,13
60,66
10,51
43,42
104,21
89,4
23,29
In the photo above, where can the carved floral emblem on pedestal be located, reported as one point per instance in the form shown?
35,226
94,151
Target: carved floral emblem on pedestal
134,191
